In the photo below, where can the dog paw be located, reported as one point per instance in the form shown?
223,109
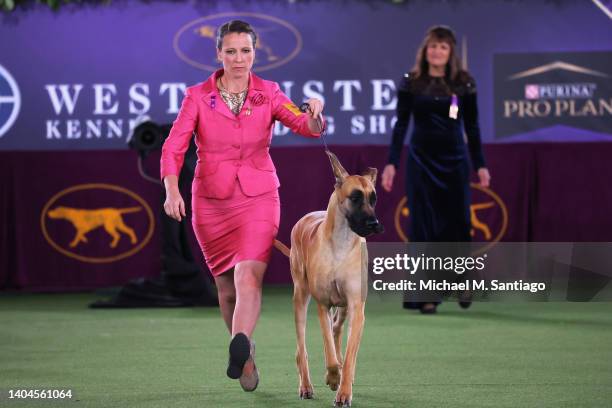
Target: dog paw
332,378
343,398
306,392
344,404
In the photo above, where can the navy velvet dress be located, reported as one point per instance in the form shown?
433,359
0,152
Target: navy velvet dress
438,168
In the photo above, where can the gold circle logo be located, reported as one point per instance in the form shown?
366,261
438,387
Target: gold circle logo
483,199
92,231
278,42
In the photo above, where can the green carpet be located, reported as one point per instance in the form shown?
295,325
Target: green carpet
492,355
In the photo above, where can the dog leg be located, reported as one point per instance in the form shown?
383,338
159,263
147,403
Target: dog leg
332,376
78,238
339,318
129,231
301,297
356,321
112,231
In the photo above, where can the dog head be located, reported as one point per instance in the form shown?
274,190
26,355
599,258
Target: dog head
356,198
57,212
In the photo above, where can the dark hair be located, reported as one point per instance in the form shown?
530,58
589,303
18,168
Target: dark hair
442,34
235,26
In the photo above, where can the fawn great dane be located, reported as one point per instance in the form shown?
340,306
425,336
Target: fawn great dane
327,259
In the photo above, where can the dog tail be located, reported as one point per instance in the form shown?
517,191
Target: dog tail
282,247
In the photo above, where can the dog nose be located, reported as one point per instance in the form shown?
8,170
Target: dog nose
374,225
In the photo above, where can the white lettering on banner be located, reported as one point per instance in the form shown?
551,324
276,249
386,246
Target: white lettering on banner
310,90
384,94
174,90
52,131
377,124
286,86
280,129
103,94
66,98
114,128
330,125
357,125
347,93
93,129
141,98
73,129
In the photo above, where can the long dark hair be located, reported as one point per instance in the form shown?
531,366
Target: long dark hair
235,26
441,34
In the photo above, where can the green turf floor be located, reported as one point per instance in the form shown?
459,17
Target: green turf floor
492,355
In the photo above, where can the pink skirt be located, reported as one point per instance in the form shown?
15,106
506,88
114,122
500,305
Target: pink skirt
235,229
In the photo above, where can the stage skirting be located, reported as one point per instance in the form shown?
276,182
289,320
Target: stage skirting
87,219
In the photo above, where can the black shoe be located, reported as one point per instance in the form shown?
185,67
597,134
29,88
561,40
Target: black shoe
429,308
411,305
465,299
239,352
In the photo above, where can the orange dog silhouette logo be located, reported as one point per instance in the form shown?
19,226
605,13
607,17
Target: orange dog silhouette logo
488,214
278,40
104,233
86,220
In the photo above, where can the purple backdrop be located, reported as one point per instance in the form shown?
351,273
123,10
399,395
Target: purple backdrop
540,192
78,78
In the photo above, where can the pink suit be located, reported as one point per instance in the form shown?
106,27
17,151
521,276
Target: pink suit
235,204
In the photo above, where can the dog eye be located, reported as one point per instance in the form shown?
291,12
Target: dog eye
373,199
356,196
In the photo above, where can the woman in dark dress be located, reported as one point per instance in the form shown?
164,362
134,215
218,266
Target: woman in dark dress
441,96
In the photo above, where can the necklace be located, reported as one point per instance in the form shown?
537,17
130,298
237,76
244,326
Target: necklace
233,100
222,86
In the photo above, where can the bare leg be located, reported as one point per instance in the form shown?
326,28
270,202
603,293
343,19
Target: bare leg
227,296
248,278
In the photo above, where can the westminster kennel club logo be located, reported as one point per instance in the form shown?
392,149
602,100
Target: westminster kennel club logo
488,213
10,100
278,41
117,226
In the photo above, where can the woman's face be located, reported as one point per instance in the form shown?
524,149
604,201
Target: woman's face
237,54
438,53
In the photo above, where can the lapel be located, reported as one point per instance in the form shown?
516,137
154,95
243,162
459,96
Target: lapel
256,86
212,98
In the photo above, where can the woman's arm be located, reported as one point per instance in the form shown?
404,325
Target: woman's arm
177,143
284,110
403,111
472,130
173,155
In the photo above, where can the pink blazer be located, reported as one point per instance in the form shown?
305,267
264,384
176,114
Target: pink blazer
230,146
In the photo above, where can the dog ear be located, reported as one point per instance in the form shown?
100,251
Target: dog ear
370,173
339,171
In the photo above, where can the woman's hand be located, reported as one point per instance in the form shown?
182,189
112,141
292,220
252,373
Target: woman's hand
174,206
484,177
387,177
315,107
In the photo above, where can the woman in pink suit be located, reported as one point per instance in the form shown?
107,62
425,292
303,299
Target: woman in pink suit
235,202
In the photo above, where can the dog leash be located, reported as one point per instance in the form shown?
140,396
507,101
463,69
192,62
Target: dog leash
304,108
